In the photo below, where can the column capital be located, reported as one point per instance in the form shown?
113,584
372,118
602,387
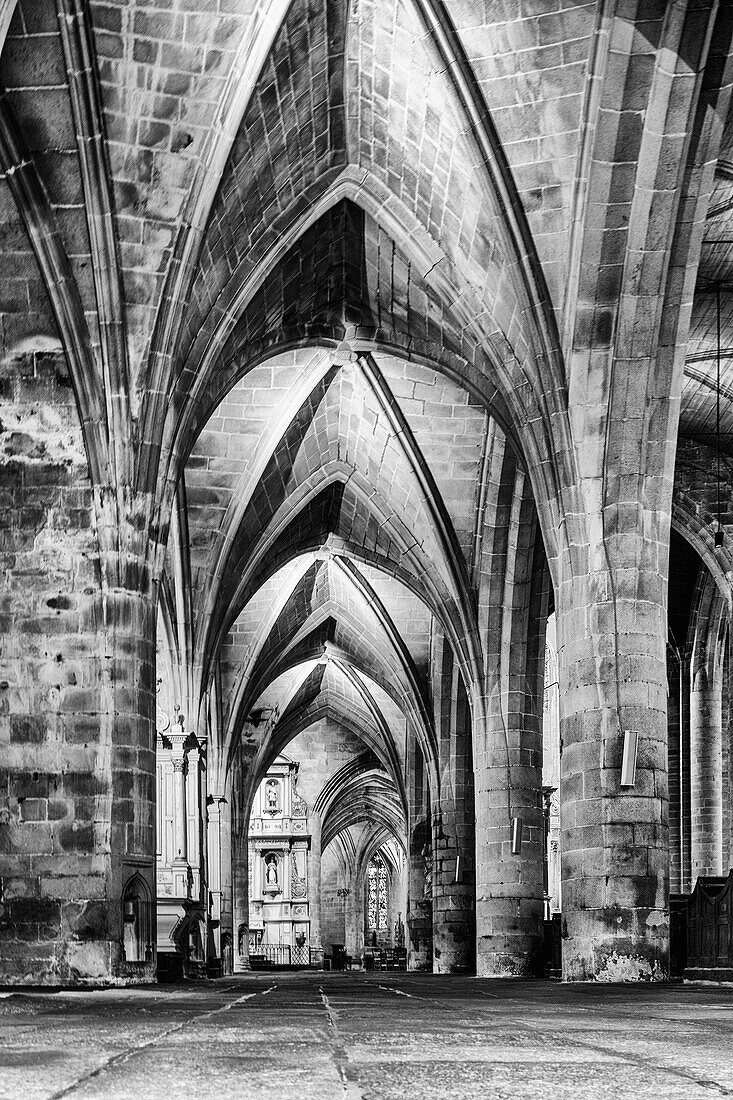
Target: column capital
214,804
179,737
180,742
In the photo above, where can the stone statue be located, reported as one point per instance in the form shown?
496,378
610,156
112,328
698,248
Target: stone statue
272,797
271,871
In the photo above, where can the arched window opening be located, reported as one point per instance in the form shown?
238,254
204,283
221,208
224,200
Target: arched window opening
377,893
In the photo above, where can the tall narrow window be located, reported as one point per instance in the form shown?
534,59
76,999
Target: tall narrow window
377,893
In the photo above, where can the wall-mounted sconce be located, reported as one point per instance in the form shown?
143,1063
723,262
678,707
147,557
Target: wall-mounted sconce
516,835
628,761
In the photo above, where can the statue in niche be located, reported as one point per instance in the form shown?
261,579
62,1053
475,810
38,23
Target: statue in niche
271,871
272,797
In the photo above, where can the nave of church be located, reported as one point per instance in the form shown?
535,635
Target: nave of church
366,495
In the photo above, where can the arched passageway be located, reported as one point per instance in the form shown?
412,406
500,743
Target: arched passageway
334,366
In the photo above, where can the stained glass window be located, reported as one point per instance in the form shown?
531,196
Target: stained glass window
377,892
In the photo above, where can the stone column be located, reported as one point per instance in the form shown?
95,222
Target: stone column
402,901
418,906
397,900
194,812
607,514
78,754
685,824
357,903
507,735
675,663
214,873
314,888
353,920
240,898
179,809
727,759
453,878
227,875
706,772
708,635
419,922
454,925
615,851
393,887
178,739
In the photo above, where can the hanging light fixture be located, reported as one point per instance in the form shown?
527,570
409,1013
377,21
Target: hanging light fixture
517,829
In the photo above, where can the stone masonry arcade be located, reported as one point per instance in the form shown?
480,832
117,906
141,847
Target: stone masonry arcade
366,396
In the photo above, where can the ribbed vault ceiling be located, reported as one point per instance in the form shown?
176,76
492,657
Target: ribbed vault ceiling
329,244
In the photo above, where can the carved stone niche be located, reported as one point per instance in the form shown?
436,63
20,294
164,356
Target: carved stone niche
273,797
272,868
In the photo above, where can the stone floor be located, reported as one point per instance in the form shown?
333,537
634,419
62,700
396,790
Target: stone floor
296,1036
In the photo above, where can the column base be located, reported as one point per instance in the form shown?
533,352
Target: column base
420,961
454,930
615,945
493,963
510,942
452,963
454,949
420,937
52,942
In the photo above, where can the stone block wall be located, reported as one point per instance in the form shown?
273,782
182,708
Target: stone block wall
75,784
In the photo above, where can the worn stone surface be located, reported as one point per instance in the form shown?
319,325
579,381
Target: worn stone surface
76,766
382,1036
